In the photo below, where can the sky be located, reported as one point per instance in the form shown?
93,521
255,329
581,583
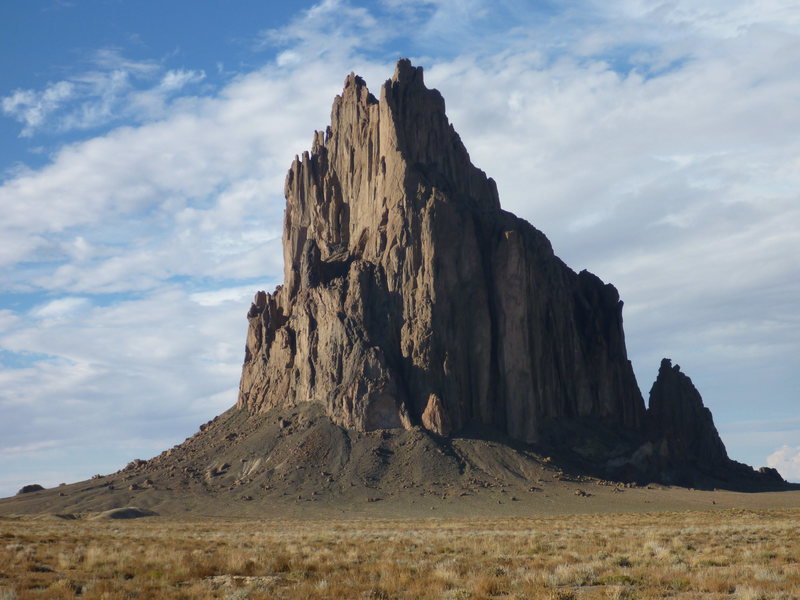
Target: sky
145,144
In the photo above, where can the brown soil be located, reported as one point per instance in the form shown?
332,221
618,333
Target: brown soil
296,463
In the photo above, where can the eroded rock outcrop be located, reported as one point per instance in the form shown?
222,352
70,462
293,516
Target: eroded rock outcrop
410,297
680,426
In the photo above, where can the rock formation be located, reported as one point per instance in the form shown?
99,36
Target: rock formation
410,297
412,304
681,427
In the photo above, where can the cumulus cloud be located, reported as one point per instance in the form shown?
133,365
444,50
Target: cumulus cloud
786,460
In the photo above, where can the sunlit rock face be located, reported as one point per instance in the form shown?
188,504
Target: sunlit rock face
410,297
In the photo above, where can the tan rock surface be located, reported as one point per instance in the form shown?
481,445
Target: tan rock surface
434,417
404,279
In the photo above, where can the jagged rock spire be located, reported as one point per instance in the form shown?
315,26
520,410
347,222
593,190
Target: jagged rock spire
410,297
679,422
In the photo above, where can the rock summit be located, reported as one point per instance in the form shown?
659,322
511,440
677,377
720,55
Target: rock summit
410,298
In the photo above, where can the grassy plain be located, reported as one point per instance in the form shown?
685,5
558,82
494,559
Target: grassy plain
744,554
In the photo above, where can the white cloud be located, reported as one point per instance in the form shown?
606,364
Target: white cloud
152,103
79,249
60,309
31,387
786,460
103,95
193,203
238,294
8,319
330,30
31,108
113,88
175,79
120,381
112,59
718,18
10,452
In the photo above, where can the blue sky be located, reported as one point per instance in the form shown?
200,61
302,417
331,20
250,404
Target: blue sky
145,146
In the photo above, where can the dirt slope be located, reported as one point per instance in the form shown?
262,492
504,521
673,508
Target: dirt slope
295,462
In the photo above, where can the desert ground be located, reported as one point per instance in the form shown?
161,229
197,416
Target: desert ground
719,553
289,506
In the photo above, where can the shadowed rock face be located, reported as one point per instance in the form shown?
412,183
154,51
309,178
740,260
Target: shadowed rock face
681,427
410,297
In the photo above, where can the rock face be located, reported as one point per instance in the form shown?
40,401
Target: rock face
681,427
411,298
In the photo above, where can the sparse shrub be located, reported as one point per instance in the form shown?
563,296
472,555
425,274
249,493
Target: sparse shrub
679,584
622,561
616,579
768,575
280,563
457,594
489,585
376,594
746,592
621,593
200,566
574,574
575,558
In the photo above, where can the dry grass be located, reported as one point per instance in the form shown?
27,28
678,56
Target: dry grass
744,555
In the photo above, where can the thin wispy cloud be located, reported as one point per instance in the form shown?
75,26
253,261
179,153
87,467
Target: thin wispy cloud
32,108
111,89
331,28
10,452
